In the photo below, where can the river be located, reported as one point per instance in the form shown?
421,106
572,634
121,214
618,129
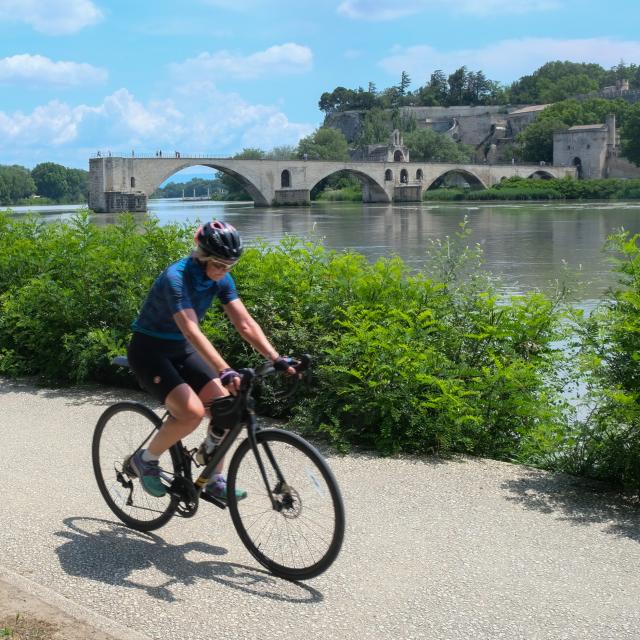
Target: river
525,244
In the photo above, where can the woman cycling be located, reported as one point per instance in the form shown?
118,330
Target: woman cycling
175,361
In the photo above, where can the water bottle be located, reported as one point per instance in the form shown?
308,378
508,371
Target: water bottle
208,446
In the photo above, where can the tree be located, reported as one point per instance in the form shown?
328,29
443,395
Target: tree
556,81
456,82
51,180
631,135
78,181
324,143
284,152
435,92
375,127
405,82
537,139
15,183
427,145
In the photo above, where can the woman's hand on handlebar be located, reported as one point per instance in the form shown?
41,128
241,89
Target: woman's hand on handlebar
231,380
286,365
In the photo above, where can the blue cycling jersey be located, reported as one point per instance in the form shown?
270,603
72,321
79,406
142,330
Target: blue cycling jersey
182,285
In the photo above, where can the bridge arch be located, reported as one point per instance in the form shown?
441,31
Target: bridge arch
254,192
470,178
373,191
541,175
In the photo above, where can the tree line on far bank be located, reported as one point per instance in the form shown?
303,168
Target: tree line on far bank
47,182
552,82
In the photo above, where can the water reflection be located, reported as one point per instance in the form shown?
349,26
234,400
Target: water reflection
525,244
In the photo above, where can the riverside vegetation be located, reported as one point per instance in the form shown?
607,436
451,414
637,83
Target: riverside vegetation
430,362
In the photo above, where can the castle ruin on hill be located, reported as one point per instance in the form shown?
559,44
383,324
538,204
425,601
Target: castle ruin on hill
492,130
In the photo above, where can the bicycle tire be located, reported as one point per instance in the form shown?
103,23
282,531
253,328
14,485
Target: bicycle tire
120,430
292,524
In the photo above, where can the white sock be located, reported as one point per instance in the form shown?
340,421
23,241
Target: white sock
147,456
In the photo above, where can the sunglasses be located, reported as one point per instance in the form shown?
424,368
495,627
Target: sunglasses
221,266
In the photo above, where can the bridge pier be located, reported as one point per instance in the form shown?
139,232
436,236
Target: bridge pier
291,197
112,186
407,193
372,194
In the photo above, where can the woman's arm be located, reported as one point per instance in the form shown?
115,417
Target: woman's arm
249,329
188,324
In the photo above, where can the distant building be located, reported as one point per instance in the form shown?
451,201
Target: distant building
615,90
394,151
593,150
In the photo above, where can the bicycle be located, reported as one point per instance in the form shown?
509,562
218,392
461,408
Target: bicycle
291,489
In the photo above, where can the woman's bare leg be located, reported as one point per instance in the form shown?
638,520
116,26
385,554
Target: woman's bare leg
187,411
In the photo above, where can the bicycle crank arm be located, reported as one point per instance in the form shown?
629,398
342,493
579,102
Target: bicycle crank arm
207,498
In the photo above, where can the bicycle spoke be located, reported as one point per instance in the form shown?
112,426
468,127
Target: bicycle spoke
119,433
302,536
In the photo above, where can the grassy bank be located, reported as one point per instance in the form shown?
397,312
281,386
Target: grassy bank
516,189
553,189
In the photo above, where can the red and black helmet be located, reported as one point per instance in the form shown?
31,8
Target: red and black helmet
219,240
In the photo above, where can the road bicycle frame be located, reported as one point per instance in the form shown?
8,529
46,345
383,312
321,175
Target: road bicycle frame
188,491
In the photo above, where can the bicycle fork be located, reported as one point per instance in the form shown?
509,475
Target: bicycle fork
281,486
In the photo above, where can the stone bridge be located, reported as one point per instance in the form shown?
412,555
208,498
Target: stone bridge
125,183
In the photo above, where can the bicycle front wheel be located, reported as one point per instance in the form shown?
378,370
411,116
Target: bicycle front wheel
120,431
300,533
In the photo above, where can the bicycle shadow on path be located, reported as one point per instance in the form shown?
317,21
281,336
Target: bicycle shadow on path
108,552
578,501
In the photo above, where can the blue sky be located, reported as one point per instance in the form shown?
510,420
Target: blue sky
215,76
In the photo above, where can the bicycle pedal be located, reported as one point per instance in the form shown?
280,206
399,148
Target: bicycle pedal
221,504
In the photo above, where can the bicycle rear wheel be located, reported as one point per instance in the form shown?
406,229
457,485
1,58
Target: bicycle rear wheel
120,431
302,535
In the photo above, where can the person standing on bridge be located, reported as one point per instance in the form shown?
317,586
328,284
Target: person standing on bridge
176,362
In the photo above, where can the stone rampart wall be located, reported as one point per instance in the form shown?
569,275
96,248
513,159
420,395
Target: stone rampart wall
621,168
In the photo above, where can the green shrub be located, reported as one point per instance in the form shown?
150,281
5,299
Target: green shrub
608,440
405,362
63,285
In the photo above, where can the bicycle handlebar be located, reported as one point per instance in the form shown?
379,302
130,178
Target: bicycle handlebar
267,369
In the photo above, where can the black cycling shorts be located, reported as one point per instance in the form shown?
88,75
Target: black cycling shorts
161,365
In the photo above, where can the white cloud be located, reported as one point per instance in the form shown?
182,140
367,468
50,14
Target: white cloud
383,10
507,60
37,70
52,17
273,129
199,119
282,59
54,123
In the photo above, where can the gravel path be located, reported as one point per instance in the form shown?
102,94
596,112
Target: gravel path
455,549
